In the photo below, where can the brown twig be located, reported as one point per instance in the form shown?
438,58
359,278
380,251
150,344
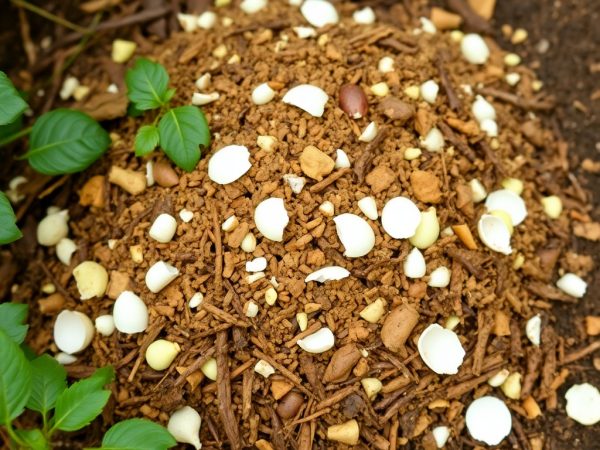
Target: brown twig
148,339
472,20
453,99
457,142
199,362
218,252
581,353
318,187
540,102
230,423
364,161
285,372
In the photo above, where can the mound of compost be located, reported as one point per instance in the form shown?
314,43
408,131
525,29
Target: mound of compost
397,144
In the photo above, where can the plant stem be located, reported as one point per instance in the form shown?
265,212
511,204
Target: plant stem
48,15
14,436
14,137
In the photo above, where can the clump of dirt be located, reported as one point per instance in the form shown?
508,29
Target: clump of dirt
492,295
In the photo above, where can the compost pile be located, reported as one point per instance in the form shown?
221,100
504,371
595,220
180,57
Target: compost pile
244,317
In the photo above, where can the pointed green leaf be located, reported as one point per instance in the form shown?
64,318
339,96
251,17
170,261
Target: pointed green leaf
15,379
65,141
11,103
9,231
137,434
12,321
182,130
147,84
146,140
82,402
34,438
48,382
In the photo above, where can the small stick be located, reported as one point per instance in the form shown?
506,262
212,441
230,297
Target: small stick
199,362
223,315
316,326
537,103
337,397
329,180
581,353
473,20
311,417
455,103
218,252
224,393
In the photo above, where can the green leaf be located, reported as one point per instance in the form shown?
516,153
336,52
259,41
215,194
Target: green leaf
146,140
147,84
12,318
34,438
11,103
82,402
65,141
132,111
9,231
181,131
137,434
169,95
28,352
15,379
48,382
11,128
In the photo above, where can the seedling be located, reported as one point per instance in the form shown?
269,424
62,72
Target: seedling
178,131
62,141
39,383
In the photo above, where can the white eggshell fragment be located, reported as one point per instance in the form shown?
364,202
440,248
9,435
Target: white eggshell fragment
482,109
73,331
295,182
356,235
206,21
441,349
65,249
434,141
331,273
263,368
307,97
414,264
571,284
319,13
228,164
130,313
489,127
400,218
509,202
429,91
440,277
184,425
488,420
368,207
105,325
341,160
474,49
533,329
583,404
478,190
256,265
91,279
262,94
163,228
53,228
271,218
369,133
64,359
365,16
305,32
440,435
252,6
494,234
318,342
159,275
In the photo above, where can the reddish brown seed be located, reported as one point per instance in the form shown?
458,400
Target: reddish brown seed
164,175
353,101
289,405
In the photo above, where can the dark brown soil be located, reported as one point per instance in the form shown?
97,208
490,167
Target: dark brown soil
567,71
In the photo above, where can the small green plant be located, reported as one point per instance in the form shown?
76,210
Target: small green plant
179,131
39,383
62,141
